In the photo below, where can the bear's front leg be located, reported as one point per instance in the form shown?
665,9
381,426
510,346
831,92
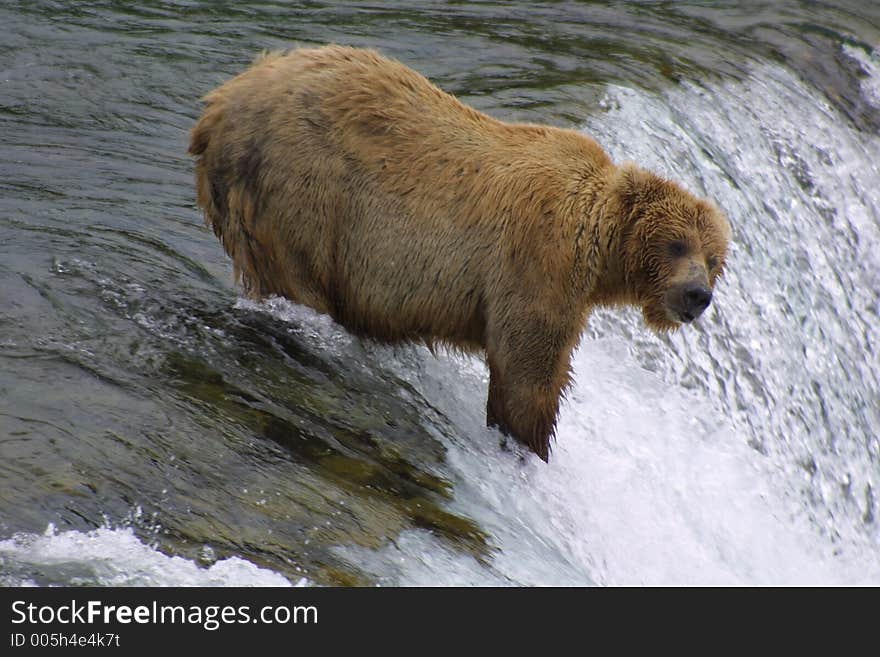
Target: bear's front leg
528,371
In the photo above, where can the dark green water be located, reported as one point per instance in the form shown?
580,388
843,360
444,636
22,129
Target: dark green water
136,390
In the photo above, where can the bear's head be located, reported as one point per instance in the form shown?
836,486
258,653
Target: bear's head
674,248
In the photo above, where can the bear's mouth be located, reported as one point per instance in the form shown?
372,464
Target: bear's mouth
679,316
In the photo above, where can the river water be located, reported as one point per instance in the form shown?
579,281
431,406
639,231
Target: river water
155,428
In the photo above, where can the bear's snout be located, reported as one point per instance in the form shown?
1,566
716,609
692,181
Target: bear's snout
689,300
696,299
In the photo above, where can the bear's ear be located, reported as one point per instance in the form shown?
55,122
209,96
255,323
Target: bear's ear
637,186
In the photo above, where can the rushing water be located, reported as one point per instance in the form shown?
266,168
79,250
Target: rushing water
155,428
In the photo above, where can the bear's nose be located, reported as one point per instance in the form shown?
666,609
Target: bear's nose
696,299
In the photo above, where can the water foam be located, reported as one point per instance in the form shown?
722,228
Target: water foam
870,64
646,485
116,557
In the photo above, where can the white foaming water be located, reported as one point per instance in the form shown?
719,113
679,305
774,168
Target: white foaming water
870,63
116,557
644,486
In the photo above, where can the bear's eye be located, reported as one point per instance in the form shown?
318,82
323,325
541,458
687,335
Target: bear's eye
677,248
712,263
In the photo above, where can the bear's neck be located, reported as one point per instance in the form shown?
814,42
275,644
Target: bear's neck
603,246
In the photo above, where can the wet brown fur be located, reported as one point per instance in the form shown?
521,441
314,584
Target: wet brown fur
347,182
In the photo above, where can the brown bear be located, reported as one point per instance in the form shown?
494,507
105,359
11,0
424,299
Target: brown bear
345,181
